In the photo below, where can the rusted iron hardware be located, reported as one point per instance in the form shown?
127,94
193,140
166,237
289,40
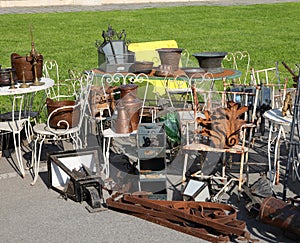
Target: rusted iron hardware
223,125
213,222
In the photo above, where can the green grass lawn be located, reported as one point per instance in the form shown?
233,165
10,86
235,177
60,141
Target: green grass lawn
269,32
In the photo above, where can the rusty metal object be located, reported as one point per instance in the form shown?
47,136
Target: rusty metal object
280,214
287,104
223,125
99,100
210,221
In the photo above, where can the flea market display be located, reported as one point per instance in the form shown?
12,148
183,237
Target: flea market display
175,135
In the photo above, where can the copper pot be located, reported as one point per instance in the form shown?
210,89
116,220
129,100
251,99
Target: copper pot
69,115
128,88
24,66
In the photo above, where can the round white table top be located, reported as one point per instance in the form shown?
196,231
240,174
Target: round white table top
6,90
275,116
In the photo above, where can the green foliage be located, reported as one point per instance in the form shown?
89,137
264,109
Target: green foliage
269,32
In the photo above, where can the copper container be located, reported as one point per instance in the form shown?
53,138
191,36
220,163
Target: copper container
69,116
24,66
128,88
122,123
131,103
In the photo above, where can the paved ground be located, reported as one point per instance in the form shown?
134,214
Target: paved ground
21,10
38,214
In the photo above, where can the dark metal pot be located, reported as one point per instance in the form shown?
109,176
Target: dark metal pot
211,61
170,56
5,76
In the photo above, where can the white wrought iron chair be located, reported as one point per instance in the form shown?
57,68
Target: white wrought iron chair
239,60
59,130
270,78
108,134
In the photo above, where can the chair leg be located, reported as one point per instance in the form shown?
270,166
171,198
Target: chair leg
17,145
28,132
241,172
36,158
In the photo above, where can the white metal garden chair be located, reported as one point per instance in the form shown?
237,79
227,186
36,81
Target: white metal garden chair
63,130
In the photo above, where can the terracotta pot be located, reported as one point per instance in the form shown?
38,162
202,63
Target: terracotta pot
69,115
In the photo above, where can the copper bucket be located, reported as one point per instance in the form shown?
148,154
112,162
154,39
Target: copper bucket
69,115
24,67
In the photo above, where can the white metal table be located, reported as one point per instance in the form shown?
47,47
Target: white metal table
15,120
